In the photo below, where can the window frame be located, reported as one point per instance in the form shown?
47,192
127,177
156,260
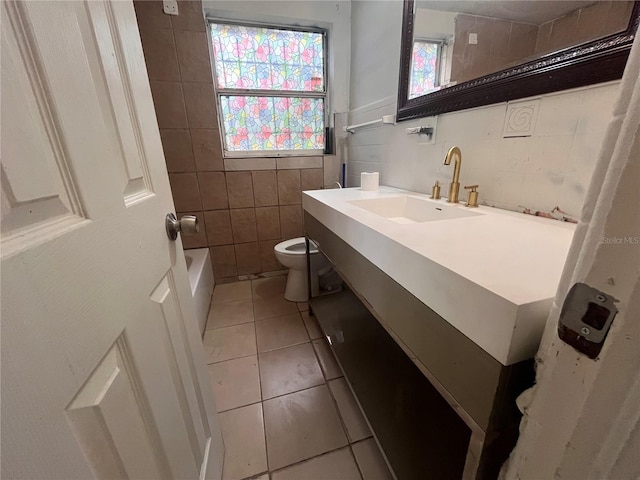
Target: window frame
438,80
226,153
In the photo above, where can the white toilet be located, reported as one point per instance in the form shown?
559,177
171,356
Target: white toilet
292,254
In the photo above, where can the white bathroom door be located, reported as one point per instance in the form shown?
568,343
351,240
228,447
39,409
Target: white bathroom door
103,372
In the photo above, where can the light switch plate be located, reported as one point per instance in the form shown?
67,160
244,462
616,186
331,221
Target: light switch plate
473,39
170,7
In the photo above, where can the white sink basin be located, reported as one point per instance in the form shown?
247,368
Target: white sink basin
493,277
406,209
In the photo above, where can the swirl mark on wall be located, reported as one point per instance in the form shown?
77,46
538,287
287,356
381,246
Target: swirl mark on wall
520,118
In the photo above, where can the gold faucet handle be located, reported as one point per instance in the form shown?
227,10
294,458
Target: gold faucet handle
435,191
473,195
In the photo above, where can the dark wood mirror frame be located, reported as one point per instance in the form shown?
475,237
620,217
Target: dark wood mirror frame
598,61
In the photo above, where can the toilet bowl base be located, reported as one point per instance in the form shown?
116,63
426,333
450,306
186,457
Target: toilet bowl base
296,290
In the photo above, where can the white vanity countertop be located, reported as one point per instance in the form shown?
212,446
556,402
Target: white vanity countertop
492,276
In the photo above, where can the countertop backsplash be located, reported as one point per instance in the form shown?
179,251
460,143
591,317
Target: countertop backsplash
545,173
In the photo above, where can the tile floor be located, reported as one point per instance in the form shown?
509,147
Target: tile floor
285,409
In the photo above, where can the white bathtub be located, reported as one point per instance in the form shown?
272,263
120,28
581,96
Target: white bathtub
201,282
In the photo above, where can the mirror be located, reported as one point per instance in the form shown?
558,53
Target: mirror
463,54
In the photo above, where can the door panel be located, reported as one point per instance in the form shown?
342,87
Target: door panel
115,35
39,198
107,417
165,296
103,373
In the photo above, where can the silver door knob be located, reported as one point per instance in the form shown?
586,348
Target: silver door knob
188,225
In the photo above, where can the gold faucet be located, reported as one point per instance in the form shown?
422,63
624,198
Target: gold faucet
472,201
454,188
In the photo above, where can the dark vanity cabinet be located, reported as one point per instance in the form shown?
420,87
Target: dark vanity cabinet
420,434
439,406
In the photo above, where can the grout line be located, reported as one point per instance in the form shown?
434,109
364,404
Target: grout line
337,407
254,403
280,316
264,424
271,318
256,476
348,446
264,430
370,437
262,399
308,329
215,303
266,351
355,460
286,346
312,458
315,352
234,358
325,382
278,396
240,356
296,391
227,326
237,299
320,340
238,407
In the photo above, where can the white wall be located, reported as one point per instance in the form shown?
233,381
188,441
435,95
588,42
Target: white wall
335,16
434,24
551,168
375,50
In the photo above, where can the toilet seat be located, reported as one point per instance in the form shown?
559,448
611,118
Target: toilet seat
295,246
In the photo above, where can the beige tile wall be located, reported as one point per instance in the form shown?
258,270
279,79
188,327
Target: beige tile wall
503,44
589,23
243,211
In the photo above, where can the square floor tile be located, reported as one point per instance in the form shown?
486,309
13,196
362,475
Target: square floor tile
288,370
243,434
352,417
266,288
313,328
236,383
280,332
301,425
303,306
226,343
328,362
370,460
232,312
337,465
231,291
272,307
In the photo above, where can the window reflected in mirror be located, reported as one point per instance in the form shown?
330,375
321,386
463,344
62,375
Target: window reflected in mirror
426,63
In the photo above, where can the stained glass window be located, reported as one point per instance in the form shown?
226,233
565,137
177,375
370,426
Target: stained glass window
425,65
271,87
